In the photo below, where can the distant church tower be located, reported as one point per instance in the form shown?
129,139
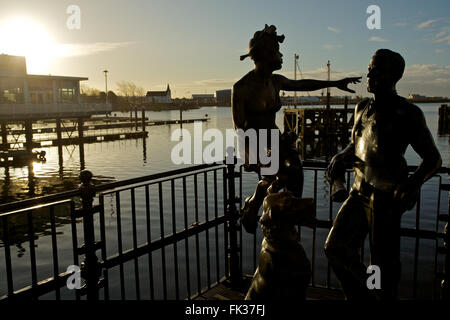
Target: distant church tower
159,96
169,94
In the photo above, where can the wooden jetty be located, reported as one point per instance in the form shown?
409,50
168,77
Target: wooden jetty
322,132
81,126
444,119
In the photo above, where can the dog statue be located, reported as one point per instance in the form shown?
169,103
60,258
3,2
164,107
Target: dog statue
284,270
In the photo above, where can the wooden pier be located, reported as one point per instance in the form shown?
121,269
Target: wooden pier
322,132
444,119
67,127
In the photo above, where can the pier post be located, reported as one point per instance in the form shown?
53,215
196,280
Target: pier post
445,285
80,126
181,116
4,129
29,135
443,122
143,119
136,117
235,272
89,267
60,149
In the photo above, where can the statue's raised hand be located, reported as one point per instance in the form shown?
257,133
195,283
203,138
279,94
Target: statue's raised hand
342,84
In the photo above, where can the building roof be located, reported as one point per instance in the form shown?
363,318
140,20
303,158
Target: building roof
43,76
158,93
16,67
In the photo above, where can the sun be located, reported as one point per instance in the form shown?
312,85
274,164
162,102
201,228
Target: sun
25,37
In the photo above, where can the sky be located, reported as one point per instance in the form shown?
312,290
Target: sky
194,45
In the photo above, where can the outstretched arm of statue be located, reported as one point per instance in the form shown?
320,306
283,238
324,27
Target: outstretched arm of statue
311,85
423,143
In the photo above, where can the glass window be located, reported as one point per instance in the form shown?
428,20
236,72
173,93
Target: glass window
11,91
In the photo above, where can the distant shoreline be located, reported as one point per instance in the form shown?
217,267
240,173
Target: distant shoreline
193,106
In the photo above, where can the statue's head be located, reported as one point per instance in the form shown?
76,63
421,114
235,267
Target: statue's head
385,69
264,47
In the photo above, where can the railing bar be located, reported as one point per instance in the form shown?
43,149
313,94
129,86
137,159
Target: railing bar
197,245
330,218
32,250
136,260
74,241
159,177
216,209
416,247
158,244
225,225
208,257
103,248
149,239
55,251
17,205
32,208
313,256
240,227
163,251
436,242
186,240
175,248
9,275
119,245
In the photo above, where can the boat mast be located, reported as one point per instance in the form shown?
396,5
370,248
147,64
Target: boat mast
328,88
295,78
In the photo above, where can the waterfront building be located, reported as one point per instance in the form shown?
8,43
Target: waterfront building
223,97
24,95
203,98
159,96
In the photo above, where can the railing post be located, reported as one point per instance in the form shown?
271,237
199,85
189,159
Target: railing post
89,267
235,272
445,285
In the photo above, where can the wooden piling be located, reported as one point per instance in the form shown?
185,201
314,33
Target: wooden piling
143,119
444,120
4,128
80,141
29,135
60,149
136,117
181,116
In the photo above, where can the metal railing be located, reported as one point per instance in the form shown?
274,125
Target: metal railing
170,235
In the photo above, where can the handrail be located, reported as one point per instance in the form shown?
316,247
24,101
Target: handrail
16,205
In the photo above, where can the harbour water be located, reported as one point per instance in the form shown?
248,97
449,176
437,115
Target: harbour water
118,160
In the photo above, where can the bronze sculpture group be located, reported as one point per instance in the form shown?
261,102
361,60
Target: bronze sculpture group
384,126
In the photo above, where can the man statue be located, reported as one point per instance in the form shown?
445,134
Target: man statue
255,102
382,191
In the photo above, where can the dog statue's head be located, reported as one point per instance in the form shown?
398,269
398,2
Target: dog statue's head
282,212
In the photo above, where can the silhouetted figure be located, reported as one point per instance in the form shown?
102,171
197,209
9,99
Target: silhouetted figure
382,191
255,102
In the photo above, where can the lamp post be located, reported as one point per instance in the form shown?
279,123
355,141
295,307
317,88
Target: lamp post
106,84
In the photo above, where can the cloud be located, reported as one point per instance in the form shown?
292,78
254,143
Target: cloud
62,50
335,30
443,35
332,46
428,73
426,23
378,39
439,51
